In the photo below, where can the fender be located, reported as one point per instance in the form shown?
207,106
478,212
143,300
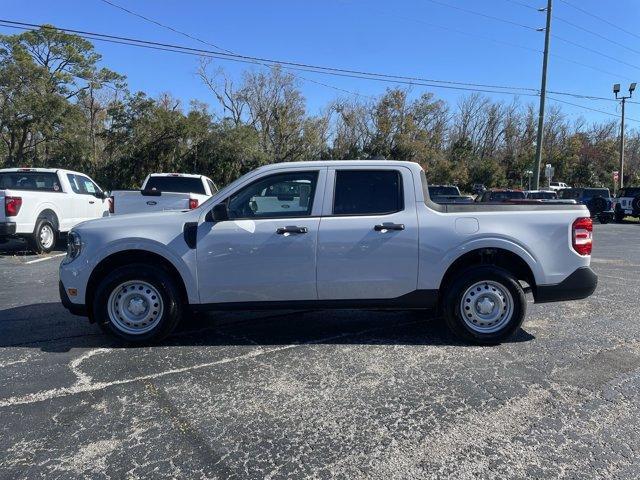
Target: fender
42,206
185,265
504,243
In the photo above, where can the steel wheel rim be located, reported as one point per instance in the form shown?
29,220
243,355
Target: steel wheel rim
46,236
135,307
486,306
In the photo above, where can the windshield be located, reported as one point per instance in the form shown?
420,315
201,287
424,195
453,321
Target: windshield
39,181
443,191
596,192
629,192
176,184
542,195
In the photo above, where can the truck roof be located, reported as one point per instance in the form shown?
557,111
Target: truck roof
175,174
340,163
37,169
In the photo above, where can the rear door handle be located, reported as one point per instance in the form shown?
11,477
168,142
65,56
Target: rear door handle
389,226
291,229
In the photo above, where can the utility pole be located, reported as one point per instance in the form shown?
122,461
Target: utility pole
543,94
622,98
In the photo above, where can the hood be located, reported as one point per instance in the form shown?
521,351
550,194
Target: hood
140,221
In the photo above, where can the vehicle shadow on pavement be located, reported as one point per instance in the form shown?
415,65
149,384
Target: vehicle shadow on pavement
20,247
49,327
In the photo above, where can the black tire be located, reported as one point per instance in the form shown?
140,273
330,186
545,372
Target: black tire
453,298
635,203
619,217
44,238
597,205
603,219
164,285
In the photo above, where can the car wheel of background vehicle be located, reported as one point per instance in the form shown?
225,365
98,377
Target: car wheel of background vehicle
485,305
44,237
138,303
603,219
597,205
619,217
635,203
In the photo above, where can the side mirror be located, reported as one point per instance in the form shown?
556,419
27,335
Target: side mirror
220,213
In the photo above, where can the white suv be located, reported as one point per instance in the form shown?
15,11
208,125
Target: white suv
40,203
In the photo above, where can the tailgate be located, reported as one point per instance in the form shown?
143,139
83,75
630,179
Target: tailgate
140,202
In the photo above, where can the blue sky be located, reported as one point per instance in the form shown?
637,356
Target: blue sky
415,38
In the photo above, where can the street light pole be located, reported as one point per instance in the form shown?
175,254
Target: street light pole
543,94
623,99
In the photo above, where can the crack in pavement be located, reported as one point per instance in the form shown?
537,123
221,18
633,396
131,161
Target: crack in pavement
84,383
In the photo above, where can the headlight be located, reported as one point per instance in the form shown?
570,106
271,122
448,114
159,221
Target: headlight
74,246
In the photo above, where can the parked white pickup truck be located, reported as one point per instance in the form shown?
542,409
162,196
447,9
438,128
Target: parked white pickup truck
329,234
40,203
164,191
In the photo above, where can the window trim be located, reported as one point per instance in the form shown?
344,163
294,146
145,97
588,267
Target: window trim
261,178
363,170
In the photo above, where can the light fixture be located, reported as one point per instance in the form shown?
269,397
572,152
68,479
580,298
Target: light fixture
632,87
616,88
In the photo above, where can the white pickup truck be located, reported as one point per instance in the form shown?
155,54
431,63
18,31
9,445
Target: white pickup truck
329,234
40,203
164,191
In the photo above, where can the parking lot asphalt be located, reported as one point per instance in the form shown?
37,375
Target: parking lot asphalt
323,394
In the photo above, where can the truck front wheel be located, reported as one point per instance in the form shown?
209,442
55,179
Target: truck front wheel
138,303
484,305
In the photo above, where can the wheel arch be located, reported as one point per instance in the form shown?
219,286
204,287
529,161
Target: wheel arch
128,257
50,215
490,256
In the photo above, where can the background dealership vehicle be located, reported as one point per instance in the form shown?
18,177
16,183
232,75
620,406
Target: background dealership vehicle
597,200
40,203
627,203
367,235
541,194
556,186
448,194
501,195
164,191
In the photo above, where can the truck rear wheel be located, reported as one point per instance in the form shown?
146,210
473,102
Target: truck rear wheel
138,303
44,236
484,305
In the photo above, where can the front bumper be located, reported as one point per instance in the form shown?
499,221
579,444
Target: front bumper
7,229
580,284
75,308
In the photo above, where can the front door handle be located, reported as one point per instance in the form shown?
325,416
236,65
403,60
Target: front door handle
91,202
291,229
389,226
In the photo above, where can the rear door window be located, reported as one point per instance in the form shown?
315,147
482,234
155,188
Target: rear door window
367,192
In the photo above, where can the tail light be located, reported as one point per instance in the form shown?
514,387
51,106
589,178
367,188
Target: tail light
193,203
582,235
112,204
12,206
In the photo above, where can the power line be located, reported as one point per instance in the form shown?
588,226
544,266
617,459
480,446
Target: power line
588,49
250,59
362,75
608,22
192,37
591,109
484,15
575,25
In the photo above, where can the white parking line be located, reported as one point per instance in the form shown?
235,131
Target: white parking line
45,258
